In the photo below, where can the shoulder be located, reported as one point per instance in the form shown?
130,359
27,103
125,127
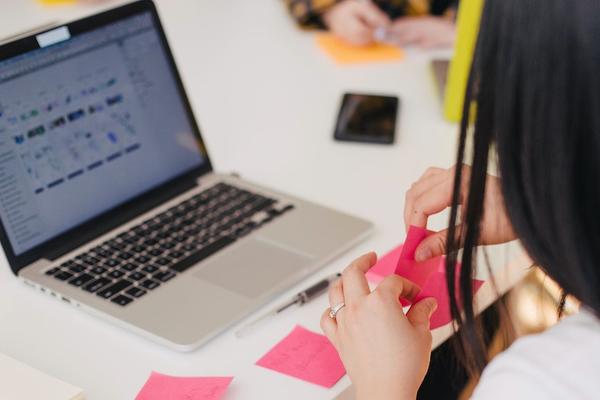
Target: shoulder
562,362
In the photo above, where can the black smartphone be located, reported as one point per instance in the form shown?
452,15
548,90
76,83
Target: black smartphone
367,118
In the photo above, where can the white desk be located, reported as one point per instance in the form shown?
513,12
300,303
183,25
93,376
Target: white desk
266,100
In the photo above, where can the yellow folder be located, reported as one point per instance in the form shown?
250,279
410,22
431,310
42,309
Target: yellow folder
467,28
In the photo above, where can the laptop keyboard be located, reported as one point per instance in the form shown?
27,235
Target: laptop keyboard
141,259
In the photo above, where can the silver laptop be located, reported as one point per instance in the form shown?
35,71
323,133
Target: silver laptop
108,201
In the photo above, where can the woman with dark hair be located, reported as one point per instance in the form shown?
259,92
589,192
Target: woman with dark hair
536,87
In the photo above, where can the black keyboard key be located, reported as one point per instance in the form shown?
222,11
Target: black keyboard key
137,275
98,270
156,252
163,261
97,284
89,260
150,284
116,274
135,292
128,267
113,289
176,254
150,268
112,262
76,268
205,252
125,256
52,271
142,259
150,242
104,253
122,300
167,245
67,264
138,249
63,275
164,276
81,279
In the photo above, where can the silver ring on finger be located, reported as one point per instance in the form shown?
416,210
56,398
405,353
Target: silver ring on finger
335,309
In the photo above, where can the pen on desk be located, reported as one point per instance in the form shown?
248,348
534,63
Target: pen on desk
301,298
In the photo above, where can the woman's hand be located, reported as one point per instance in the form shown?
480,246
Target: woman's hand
385,352
355,21
432,193
426,32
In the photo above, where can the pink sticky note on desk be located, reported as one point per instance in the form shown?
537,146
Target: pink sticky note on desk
165,387
305,355
429,275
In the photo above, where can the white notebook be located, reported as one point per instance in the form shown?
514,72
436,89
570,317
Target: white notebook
19,381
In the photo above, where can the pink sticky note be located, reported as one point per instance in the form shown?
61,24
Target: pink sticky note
414,237
429,275
417,273
305,355
436,287
165,387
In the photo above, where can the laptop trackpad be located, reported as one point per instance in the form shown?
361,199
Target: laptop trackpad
253,267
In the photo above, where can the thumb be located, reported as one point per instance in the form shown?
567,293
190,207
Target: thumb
432,246
420,312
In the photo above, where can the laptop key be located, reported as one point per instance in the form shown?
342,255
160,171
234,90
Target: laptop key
63,275
113,289
116,274
149,284
81,280
164,276
52,271
137,275
150,268
135,292
77,268
96,284
98,270
203,253
128,267
122,300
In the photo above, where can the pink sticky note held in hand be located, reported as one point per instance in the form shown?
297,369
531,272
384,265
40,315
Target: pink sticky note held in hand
165,387
305,355
429,275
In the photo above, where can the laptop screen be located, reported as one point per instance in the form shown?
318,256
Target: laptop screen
88,122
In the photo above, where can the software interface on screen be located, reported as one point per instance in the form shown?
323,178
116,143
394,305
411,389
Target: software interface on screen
86,124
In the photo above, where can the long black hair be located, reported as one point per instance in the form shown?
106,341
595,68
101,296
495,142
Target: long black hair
533,97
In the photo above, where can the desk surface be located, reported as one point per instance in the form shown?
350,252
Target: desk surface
266,99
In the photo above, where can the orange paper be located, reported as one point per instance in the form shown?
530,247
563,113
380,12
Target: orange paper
344,53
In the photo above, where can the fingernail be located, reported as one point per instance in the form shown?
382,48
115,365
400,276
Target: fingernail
423,254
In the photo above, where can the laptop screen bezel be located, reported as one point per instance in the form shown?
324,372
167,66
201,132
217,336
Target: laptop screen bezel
124,212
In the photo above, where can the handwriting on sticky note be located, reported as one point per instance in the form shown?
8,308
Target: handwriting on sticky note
305,355
344,53
165,387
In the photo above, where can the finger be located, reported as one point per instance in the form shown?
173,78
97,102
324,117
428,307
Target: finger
420,312
354,281
432,246
396,287
358,34
430,202
436,243
329,328
432,177
336,293
372,15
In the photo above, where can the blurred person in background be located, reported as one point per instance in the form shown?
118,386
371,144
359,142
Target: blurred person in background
421,23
